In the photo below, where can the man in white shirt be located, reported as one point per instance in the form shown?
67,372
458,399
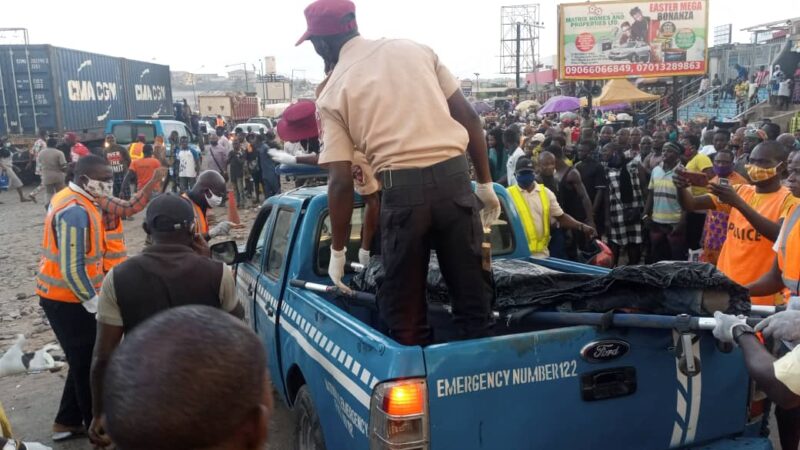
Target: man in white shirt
511,137
189,162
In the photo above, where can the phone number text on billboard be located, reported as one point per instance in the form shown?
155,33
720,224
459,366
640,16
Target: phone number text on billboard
633,69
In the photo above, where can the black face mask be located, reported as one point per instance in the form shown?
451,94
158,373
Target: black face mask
603,141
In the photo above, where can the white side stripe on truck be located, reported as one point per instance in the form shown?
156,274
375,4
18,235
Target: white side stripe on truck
355,390
312,340
686,410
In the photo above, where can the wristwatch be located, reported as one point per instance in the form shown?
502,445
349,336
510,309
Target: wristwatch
740,330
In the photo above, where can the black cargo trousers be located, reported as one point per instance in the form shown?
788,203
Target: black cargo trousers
424,209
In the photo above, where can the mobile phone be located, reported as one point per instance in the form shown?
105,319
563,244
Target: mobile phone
724,182
696,178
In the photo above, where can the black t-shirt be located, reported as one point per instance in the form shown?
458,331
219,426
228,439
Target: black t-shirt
593,176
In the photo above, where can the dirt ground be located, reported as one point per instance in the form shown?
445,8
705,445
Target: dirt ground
31,400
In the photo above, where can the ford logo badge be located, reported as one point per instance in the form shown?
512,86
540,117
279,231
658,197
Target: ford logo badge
605,350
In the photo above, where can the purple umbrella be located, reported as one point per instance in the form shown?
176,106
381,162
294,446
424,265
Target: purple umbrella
560,103
482,107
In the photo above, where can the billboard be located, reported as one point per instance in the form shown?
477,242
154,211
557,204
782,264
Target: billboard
632,38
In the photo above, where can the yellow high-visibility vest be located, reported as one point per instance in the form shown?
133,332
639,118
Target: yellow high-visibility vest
537,242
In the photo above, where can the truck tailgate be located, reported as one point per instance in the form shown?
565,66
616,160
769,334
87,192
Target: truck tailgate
535,390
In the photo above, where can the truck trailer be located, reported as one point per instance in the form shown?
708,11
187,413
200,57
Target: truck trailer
61,90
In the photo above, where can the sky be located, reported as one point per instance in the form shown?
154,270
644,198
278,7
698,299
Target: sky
194,37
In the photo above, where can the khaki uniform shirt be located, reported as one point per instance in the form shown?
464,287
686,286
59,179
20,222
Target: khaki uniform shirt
787,370
387,99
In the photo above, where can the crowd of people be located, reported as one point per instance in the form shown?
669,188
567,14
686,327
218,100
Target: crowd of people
652,192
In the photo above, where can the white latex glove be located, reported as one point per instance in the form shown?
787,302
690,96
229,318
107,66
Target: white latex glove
281,157
91,305
336,268
220,229
723,330
491,205
784,325
363,257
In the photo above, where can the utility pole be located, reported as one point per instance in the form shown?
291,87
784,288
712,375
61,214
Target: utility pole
244,67
675,100
476,84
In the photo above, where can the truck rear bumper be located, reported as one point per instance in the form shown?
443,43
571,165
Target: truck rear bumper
743,443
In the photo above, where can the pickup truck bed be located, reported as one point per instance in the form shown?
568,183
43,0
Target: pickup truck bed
562,387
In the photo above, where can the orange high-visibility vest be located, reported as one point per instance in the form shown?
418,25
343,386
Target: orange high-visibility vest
116,250
50,283
200,222
789,253
220,122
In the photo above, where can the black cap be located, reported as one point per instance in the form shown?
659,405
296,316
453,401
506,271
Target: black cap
524,163
169,212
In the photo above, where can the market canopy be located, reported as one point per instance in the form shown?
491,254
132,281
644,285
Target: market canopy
620,91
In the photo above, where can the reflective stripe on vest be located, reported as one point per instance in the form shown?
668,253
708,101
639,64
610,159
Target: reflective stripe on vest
200,222
116,251
536,242
50,283
789,253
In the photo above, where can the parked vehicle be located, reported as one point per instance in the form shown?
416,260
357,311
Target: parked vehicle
353,387
235,108
126,131
62,90
269,122
253,126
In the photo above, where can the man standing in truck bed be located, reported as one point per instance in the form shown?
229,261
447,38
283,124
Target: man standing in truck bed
428,201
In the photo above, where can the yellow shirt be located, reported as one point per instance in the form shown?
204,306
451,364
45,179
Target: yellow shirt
698,164
387,98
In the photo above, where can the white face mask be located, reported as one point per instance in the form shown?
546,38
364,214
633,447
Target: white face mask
213,200
100,188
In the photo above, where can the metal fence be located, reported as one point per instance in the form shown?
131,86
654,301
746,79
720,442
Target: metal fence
749,56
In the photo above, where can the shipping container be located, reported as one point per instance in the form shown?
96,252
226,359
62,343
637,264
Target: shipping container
244,108
62,90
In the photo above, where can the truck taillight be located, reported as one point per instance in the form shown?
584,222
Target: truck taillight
399,416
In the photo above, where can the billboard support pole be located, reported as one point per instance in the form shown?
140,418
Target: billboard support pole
675,100
590,85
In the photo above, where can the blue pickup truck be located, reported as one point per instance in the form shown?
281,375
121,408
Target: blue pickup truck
352,387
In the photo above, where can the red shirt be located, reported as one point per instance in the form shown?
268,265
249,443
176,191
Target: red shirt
144,168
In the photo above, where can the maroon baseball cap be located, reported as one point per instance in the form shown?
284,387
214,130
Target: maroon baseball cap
328,17
299,121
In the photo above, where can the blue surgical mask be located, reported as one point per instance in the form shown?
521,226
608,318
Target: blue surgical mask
526,179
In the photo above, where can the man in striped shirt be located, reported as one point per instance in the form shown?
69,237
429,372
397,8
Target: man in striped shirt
69,278
663,211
